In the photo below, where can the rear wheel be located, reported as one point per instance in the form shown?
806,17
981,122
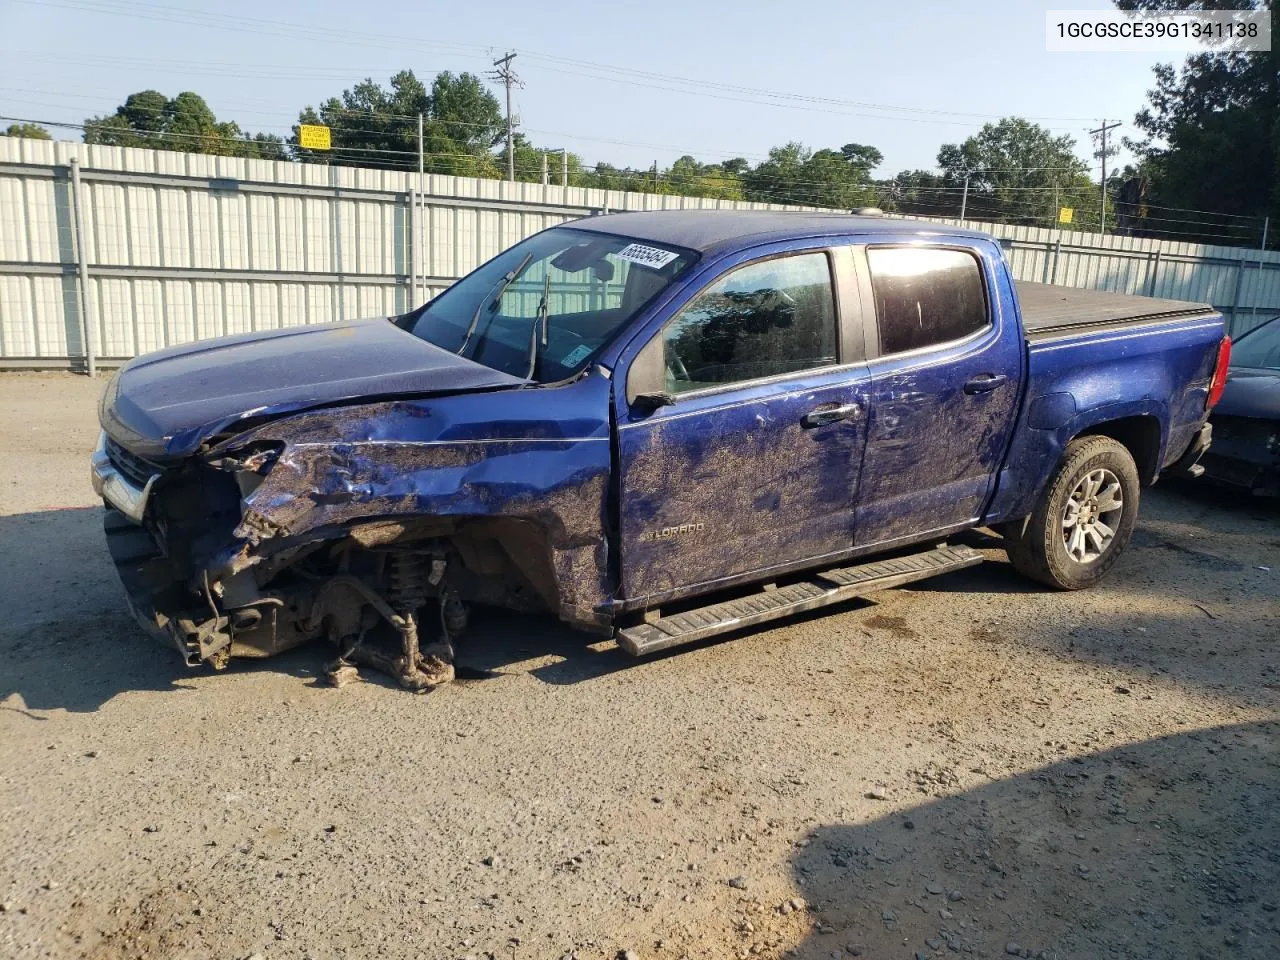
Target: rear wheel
1084,519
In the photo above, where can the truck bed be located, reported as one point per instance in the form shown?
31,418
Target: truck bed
1051,311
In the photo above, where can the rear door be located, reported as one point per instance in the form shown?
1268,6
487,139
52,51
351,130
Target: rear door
754,465
946,364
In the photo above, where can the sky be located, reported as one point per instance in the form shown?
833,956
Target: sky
627,83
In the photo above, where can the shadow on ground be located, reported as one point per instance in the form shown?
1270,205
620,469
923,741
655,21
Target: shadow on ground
67,640
1181,861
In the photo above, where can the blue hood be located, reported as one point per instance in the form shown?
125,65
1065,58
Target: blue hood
1251,392
165,404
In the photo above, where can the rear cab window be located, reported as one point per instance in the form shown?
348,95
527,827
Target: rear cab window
926,296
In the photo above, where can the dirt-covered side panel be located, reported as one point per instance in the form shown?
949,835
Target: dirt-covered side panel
719,486
463,457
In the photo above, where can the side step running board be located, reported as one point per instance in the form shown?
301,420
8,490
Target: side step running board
820,590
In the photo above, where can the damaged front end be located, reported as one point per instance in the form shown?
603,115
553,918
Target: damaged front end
200,574
308,528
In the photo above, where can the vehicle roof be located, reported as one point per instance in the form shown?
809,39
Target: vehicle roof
708,231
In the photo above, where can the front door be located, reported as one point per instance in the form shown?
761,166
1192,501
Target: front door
943,394
755,464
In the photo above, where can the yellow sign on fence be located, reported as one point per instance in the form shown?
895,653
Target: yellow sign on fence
1065,214
314,137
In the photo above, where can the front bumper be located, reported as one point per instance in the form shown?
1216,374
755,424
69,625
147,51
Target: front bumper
1247,454
115,488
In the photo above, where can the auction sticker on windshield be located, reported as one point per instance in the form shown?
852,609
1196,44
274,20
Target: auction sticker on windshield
576,355
654,258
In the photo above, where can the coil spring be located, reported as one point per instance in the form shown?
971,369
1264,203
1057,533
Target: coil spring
407,575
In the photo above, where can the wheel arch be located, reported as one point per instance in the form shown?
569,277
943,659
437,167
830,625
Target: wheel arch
1140,427
1141,434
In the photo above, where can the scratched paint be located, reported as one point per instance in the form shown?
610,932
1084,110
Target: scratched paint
339,467
601,508
759,487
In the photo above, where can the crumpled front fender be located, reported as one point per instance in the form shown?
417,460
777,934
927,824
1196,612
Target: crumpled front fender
453,458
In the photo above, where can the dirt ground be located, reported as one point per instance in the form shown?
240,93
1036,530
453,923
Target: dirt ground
972,766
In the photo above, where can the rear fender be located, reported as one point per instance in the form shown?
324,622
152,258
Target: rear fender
1038,450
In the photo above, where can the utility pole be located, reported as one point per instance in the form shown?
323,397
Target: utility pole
564,165
1102,154
509,79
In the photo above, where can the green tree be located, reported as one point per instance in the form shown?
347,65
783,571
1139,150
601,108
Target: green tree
918,192
690,178
1018,172
31,131
1212,135
824,178
150,119
777,179
528,165
373,126
606,176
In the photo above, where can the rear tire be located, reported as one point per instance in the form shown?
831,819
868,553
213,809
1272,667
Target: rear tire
1084,518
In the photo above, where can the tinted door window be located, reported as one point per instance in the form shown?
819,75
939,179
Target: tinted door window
925,296
763,319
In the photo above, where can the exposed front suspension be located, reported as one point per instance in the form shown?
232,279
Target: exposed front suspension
415,667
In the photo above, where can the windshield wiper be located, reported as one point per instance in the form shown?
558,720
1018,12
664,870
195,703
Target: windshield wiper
539,323
497,291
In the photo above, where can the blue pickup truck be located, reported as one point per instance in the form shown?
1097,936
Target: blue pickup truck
655,426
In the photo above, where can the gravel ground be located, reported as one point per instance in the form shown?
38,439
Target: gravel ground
972,766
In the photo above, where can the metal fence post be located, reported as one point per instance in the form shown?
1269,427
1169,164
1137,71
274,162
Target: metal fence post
413,247
1266,224
1235,298
1057,249
87,317
1152,270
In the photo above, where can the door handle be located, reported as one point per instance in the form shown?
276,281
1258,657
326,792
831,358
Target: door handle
825,415
984,382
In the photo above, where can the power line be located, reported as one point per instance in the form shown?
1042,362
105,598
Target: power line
556,133
632,77
735,88
786,188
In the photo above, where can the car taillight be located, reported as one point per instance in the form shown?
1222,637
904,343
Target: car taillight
1219,373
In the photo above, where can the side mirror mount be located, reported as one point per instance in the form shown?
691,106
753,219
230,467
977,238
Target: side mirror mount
647,403
647,378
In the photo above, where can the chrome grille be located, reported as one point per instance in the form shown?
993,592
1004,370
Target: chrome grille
138,470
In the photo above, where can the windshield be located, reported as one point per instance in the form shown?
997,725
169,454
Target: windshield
544,308
1260,347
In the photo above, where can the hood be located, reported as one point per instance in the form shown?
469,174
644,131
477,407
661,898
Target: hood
1251,392
165,404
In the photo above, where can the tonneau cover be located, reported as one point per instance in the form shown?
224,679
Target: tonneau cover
1047,309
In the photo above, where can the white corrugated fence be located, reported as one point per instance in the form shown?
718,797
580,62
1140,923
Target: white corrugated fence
181,247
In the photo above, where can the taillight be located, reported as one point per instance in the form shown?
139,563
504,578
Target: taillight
1219,373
